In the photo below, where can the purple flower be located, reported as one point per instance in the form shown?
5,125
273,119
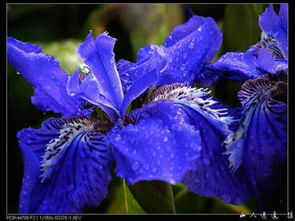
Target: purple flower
267,57
259,143
175,137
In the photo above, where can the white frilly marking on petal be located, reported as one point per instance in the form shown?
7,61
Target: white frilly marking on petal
182,94
56,147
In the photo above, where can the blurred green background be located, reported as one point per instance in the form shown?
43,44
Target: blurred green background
59,28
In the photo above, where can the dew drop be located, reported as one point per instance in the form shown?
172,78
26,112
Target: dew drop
165,139
135,166
117,138
172,181
182,68
191,45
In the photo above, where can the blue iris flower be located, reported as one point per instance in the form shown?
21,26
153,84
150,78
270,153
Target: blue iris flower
175,137
259,143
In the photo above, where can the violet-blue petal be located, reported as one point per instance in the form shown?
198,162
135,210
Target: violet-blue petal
208,78
141,85
240,66
98,55
211,175
184,53
148,58
233,66
67,167
260,142
160,145
276,25
191,46
88,89
46,76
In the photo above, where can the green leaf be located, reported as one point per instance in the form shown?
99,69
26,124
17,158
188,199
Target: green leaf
222,207
131,205
154,196
187,202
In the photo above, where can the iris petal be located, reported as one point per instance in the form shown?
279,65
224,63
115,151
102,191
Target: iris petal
67,166
142,84
45,74
260,143
150,57
211,175
88,89
98,55
240,66
276,25
200,101
160,145
189,47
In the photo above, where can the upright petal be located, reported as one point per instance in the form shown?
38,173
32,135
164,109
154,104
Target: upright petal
46,76
260,142
141,85
86,87
149,58
98,55
67,166
189,47
160,143
276,25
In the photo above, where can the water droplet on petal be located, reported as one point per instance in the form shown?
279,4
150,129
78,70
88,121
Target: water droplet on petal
191,45
135,166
